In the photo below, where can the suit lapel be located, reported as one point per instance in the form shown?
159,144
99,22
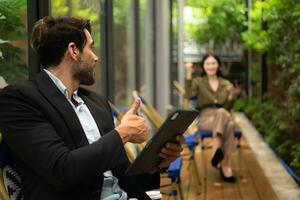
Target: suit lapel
63,107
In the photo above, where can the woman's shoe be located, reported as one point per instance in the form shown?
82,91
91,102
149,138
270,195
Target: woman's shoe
217,158
230,179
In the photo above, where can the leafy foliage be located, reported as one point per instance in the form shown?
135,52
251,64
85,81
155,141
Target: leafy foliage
223,20
295,163
280,40
87,9
12,65
11,26
274,124
12,68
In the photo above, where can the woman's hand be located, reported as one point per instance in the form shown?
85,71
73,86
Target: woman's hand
233,91
189,70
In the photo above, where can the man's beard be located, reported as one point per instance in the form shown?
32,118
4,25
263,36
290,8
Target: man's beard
85,75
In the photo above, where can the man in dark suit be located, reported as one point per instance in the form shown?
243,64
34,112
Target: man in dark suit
62,136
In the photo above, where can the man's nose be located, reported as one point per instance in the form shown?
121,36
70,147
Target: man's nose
96,58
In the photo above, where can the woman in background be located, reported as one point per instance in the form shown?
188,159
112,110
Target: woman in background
215,98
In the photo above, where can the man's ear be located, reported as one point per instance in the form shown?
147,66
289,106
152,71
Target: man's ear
73,51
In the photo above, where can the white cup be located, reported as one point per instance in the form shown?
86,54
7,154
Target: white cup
154,194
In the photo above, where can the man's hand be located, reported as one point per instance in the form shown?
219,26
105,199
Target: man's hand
171,151
133,128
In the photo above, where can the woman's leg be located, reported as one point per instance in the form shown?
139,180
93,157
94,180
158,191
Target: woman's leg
226,166
229,146
229,142
224,138
222,117
217,143
220,122
210,119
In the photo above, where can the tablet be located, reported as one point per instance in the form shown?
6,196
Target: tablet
176,124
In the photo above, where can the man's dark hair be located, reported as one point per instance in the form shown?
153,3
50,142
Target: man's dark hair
219,72
51,36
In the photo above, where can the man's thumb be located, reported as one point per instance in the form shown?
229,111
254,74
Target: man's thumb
135,106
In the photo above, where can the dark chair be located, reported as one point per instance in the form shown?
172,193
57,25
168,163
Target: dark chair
10,180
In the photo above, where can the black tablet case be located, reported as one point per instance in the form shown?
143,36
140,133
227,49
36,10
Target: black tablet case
176,124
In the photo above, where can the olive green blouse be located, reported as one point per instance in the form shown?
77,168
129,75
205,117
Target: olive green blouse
206,96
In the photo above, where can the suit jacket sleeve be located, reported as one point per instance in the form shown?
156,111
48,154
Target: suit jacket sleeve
36,142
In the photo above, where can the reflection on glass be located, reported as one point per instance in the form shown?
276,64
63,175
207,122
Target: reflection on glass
87,9
123,51
13,42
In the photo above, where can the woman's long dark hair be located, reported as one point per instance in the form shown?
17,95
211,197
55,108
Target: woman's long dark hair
219,73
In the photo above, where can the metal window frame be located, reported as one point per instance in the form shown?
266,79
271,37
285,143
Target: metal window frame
107,58
172,99
136,16
150,51
107,48
36,10
154,47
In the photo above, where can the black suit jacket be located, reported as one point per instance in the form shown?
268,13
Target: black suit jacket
49,145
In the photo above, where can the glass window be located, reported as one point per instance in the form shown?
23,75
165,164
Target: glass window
124,62
146,53
174,53
13,42
87,9
142,43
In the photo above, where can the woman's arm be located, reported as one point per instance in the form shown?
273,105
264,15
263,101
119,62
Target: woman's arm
191,86
232,94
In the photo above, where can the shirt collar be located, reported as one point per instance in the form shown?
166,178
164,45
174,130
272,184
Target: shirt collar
77,98
63,88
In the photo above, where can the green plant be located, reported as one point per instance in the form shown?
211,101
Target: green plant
12,65
86,9
12,68
11,26
222,21
293,99
295,163
279,39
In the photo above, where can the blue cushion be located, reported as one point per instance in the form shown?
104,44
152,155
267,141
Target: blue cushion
143,100
206,133
190,141
238,134
193,98
122,108
174,169
114,113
